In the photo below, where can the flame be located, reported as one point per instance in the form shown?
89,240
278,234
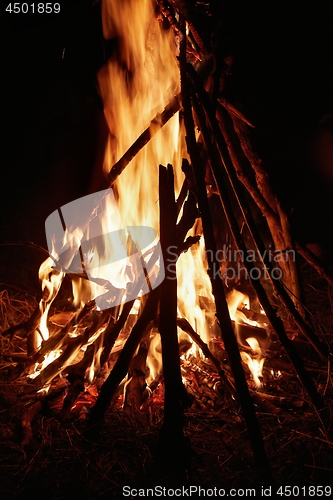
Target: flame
135,86
237,301
195,299
139,80
48,359
154,358
256,363
51,281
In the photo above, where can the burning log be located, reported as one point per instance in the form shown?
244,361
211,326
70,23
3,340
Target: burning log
279,225
189,12
71,351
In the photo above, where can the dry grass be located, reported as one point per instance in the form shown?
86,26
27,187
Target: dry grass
60,462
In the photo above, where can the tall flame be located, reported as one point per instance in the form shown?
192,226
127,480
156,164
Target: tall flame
136,84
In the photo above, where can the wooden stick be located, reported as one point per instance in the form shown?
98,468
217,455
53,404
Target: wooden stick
232,109
237,155
119,370
188,11
280,291
172,429
315,262
182,196
70,352
222,311
277,222
159,120
187,328
281,235
276,322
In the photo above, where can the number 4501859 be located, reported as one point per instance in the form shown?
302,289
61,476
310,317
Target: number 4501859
33,8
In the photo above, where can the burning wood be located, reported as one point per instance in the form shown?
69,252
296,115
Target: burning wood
120,307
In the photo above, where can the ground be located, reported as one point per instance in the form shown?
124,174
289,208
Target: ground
59,461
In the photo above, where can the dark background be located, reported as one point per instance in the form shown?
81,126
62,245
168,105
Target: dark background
283,75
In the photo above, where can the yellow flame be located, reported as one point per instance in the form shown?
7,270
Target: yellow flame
139,80
256,363
48,359
51,281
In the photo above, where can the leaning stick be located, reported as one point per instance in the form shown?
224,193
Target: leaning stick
187,328
276,322
222,311
172,429
277,221
280,291
155,125
119,370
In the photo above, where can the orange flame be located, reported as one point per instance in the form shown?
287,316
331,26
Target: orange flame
136,83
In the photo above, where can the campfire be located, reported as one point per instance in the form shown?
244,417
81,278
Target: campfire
175,272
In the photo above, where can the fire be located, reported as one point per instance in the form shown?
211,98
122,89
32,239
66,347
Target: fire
51,281
135,84
244,328
256,363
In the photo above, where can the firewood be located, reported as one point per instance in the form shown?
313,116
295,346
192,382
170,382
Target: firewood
281,234
143,139
182,196
72,349
188,11
76,378
133,392
119,370
152,386
187,328
280,291
271,313
190,214
222,311
236,155
113,330
173,412
232,109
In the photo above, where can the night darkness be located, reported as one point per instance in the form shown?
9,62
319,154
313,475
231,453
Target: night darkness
282,76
